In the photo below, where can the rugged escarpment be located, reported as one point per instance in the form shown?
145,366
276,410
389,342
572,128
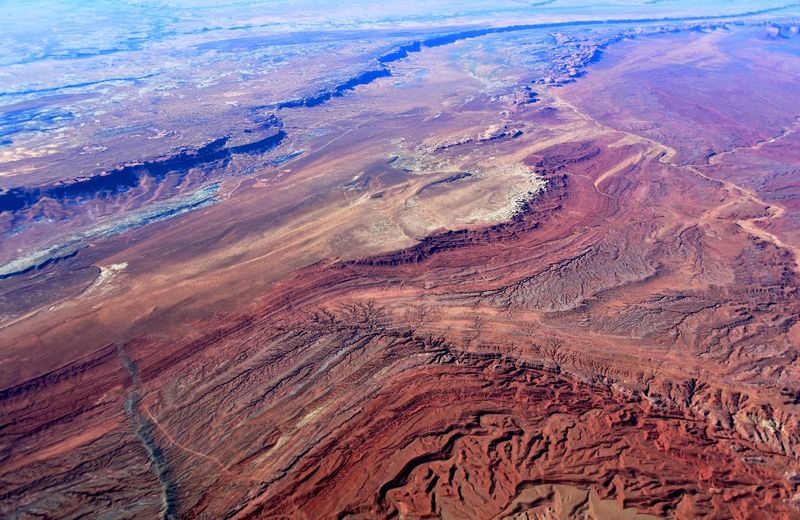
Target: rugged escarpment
145,174
462,304
543,367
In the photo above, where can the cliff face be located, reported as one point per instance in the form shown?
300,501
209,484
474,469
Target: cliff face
564,363
625,345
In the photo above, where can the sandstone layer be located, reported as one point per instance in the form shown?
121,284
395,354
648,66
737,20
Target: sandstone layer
578,304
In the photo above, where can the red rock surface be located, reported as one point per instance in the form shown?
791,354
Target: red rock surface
625,347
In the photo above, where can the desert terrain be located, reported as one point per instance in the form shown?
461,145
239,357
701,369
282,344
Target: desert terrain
524,263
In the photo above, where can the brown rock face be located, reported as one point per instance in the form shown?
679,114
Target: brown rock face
625,346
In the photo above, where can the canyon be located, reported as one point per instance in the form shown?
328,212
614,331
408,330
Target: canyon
543,269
